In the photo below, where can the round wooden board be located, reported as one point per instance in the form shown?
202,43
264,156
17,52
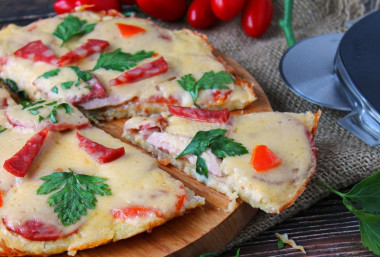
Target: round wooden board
205,229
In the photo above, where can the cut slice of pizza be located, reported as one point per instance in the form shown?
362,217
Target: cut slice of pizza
77,189
117,67
265,158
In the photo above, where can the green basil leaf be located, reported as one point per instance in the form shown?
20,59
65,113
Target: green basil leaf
223,146
72,26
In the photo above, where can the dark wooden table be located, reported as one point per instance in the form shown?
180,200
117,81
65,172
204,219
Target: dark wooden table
325,229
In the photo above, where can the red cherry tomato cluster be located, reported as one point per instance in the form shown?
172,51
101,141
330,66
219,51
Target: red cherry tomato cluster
255,19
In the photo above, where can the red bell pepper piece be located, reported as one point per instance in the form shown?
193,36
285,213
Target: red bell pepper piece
100,153
264,159
128,30
37,51
19,163
144,71
216,116
90,47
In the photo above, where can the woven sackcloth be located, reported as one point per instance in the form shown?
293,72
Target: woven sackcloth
342,158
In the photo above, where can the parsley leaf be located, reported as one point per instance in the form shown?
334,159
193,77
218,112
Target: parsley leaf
209,80
120,61
280,244
51,73
26,104
67,85
83,75
77,194
2,130
54,89
12,86
70,27
363,200
220,145
53,113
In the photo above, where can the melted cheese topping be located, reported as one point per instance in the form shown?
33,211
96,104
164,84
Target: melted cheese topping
135,181
184,52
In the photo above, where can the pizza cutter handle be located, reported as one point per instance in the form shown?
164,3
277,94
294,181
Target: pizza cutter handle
362,125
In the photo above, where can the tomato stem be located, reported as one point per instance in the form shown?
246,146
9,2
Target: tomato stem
286,22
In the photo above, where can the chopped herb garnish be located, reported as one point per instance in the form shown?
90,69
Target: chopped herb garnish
76,194
51,73
40,118
363,200
83,75
209,80
72,26
12,86
280,244
34,110
26,104
67,85
54,89
220,145
53,113
2,130
89,87
51,103
120,61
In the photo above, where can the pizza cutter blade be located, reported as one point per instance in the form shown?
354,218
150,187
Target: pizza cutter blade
308,70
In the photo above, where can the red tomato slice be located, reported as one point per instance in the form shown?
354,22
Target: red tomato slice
200,14
256,17
128,30
264,159
167,10
36,230
100,153
19,163
90,47
216,116
144,71
227,9
37,51
135,211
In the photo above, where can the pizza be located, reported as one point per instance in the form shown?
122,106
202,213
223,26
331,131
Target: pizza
116,67
266,158
67,186
68,70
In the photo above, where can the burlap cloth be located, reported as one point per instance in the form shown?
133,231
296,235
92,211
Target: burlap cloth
342,158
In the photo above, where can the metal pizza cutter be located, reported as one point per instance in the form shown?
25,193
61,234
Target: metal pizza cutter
341,71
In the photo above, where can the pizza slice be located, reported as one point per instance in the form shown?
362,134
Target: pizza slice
67,188
116,67
265,158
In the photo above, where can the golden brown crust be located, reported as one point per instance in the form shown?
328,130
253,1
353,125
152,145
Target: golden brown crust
9,251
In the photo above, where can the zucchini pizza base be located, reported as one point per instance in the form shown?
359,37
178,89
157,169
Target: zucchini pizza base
289,134
134,179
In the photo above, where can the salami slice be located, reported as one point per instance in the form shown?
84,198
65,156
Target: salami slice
37,51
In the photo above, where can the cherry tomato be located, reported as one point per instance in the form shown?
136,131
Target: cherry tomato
167,10
127,2
256,17
227,9
200,15
64,6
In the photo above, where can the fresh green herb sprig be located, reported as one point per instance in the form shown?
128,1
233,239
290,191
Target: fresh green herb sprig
363,200
76,195
72,26
220,145
34,108
2,129
12,86
120,61
209,80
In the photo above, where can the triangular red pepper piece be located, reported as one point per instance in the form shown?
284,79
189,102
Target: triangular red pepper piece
128,30
264,159
98,152
19,163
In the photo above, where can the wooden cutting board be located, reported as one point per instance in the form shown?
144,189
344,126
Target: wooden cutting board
205,229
